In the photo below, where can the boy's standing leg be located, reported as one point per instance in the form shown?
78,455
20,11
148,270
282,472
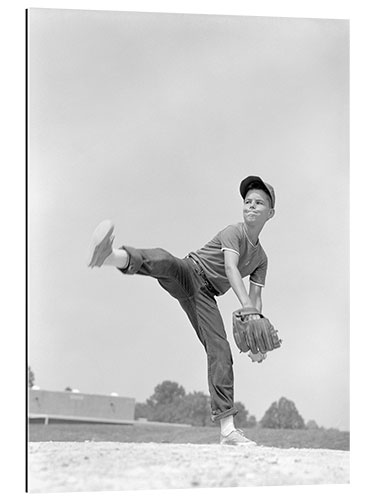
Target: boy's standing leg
180,279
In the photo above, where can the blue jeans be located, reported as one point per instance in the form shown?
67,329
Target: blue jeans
183,279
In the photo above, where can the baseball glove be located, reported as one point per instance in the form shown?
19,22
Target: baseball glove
256,335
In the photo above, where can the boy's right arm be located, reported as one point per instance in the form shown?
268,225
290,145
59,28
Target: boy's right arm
247,300
235,278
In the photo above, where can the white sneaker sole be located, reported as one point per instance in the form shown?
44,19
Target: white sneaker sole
248,443
99,241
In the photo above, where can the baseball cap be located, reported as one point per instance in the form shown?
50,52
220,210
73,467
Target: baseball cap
256,182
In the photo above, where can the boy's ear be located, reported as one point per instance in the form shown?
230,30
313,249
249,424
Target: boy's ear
272,213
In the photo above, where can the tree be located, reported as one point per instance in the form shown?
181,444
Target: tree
312,425
195,409
31,377
165,393
192,408
142,410
242,415
271,417
282,415
170,403
251,421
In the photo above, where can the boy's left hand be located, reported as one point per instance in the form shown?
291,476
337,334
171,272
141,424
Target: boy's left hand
258,357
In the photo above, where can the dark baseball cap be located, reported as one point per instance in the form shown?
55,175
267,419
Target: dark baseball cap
255,182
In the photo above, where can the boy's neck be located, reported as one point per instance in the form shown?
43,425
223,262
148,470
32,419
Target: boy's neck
252,233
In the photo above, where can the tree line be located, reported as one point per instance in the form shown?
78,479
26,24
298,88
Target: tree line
170,403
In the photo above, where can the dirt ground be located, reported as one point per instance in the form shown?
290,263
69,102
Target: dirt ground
108,466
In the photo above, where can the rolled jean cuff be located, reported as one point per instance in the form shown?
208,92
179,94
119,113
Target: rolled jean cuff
135,261
218,416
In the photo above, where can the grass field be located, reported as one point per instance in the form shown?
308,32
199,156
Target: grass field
280,438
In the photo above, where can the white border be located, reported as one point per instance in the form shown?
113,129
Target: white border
362,163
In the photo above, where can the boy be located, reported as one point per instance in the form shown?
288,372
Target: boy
195,280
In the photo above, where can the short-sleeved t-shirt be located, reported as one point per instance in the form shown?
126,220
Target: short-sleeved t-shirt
252,258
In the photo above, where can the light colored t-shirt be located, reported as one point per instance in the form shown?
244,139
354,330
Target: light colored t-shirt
252,259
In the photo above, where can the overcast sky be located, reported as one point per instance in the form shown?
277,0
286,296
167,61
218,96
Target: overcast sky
153,120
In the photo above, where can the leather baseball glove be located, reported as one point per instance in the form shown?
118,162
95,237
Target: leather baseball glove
254,332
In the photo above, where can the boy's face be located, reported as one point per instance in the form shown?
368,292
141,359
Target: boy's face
257,208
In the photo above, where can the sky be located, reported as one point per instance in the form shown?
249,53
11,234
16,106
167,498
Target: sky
152,121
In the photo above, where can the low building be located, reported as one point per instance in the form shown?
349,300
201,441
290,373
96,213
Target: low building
79,407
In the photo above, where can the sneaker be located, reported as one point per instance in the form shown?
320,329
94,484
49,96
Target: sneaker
101,244
236,437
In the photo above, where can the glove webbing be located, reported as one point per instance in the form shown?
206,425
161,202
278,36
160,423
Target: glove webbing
261,341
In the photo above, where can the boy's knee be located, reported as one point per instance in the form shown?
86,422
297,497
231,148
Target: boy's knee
161,255
221,353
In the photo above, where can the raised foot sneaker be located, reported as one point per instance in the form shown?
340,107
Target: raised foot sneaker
236,437
101,244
